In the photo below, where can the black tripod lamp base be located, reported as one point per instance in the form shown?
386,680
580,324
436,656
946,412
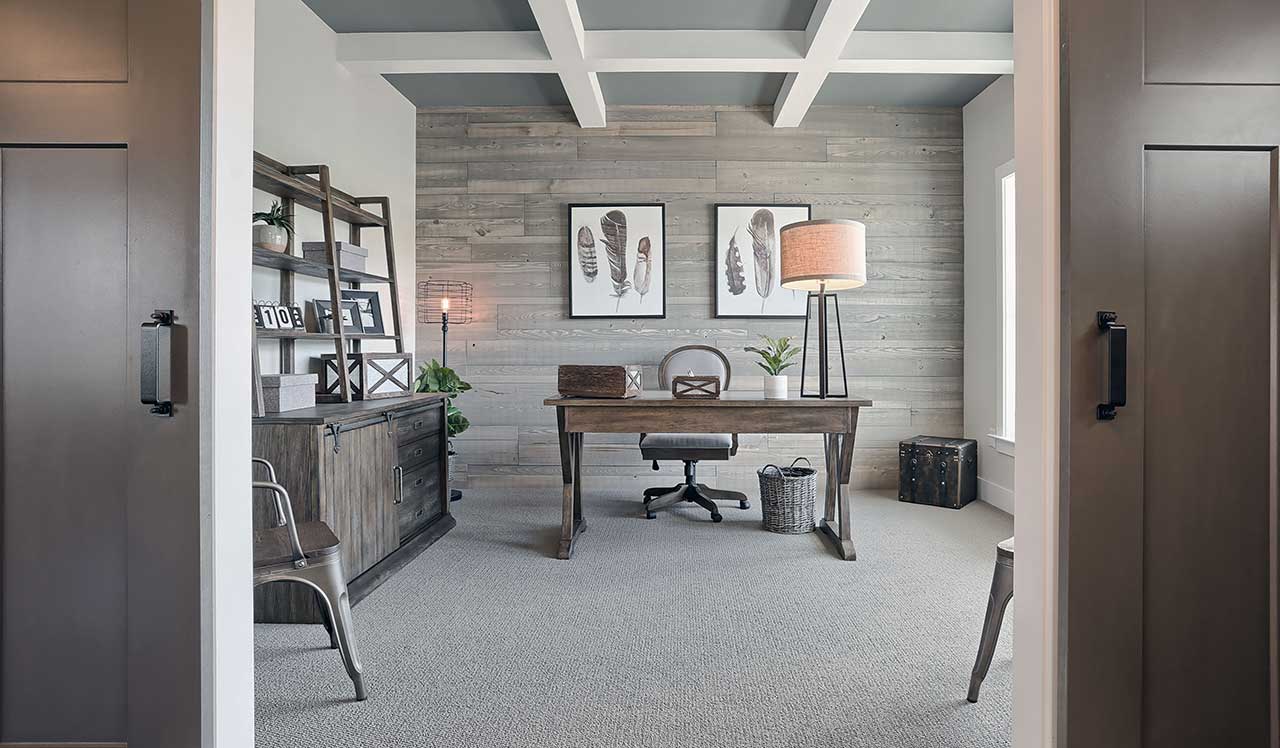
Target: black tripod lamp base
825,302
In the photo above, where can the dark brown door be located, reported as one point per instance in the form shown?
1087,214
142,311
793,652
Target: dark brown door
1171,122
100,505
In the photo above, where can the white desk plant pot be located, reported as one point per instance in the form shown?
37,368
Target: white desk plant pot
272,228
775,358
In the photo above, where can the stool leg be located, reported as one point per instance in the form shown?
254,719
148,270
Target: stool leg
1001,593
334,589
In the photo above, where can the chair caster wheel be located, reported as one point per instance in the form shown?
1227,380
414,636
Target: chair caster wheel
650,515
744,504
717,517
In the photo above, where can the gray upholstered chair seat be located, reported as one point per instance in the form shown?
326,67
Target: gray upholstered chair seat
686,441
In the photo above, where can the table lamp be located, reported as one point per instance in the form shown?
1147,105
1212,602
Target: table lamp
822,257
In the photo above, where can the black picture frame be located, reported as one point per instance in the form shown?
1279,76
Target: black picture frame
323,314
718,266
574,266
371,320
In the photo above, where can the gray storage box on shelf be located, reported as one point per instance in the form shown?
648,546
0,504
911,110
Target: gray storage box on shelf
787,495
350,256
284,392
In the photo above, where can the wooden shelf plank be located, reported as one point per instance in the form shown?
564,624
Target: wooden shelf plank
272,176
265,258
304,335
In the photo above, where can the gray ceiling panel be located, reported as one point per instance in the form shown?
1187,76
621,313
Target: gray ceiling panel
896,89
938,15
425,15
646,15
690,88
481,89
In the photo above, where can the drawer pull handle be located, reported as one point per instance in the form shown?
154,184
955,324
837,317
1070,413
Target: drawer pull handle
417,452
418,482
417,424
398,472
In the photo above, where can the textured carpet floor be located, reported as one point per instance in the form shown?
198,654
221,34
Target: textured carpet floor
673,632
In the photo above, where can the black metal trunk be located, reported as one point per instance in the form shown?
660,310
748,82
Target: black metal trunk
938,471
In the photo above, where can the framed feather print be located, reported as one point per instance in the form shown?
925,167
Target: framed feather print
617,260
747,263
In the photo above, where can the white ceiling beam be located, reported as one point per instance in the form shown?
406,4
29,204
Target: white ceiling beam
561,27
828,32
947,52
445,52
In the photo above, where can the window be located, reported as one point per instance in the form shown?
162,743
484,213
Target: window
1008,295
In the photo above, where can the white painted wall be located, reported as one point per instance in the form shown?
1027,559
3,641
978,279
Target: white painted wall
988,146
311,110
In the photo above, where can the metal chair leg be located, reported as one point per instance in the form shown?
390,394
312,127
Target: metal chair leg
327,620
1001,594
333,588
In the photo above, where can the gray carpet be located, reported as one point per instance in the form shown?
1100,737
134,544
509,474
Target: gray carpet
671,632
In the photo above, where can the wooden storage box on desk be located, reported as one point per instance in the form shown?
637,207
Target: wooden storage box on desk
574,380
938,471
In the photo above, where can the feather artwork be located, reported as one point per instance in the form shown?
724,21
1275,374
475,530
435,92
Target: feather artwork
613,232
644,267
733,268
762,247
587,254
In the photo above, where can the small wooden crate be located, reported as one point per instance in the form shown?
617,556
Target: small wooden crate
691,387
372,375
576,380
938,471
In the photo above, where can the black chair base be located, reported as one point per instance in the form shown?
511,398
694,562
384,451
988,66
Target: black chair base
693,491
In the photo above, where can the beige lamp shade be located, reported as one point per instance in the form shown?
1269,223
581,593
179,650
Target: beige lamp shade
829,254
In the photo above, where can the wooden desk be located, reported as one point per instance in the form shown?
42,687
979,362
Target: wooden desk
733,413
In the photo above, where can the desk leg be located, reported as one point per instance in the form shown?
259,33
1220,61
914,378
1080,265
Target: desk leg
571,522
837,526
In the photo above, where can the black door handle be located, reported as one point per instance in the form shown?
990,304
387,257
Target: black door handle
1115,365
157,362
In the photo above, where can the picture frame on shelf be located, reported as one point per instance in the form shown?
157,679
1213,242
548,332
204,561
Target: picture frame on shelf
349,310
617,260
748,261
369,304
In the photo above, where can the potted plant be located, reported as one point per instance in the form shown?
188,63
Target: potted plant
273,229
775,358
436,377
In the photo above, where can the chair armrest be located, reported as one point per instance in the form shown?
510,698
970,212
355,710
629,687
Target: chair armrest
285,509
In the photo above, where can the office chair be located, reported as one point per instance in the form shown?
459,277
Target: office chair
702,360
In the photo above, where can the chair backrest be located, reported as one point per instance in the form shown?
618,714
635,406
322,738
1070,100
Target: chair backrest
703,360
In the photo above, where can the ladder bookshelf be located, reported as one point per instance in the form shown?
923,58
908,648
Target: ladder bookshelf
309,186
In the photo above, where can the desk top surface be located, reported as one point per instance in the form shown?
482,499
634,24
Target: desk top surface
726,400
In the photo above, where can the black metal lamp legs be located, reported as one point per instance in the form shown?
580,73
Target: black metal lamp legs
824,350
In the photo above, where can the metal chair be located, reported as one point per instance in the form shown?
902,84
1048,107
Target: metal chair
308,553
703,360
1001,594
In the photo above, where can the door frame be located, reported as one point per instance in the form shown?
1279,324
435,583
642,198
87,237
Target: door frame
226,568
1039,695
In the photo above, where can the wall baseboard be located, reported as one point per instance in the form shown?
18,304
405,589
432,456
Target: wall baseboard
996,495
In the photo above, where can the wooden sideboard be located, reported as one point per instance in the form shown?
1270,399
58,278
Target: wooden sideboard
376,471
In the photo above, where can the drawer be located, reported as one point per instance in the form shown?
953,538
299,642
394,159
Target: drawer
411,454
416,424
422,502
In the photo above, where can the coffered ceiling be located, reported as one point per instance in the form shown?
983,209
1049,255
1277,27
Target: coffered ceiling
593,53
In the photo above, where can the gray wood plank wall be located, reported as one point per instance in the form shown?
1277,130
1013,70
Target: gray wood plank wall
492,187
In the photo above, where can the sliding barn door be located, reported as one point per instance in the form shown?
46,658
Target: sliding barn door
1170,133
100,542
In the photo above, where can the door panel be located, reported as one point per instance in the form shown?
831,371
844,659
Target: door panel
63,247
64,40
1208,384
1168,586
1223,42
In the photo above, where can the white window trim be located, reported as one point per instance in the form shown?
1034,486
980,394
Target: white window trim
1001,438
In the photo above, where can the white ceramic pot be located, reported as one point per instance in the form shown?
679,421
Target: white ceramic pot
775,388
270,237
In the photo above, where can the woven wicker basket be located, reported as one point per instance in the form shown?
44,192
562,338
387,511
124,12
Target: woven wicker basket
787,496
